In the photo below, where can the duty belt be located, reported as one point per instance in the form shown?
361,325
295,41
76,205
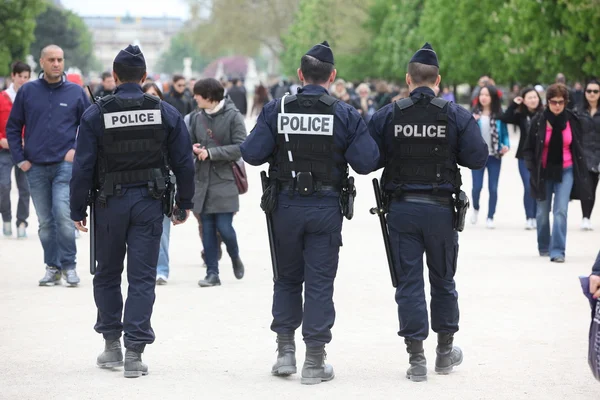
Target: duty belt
425,198
320,188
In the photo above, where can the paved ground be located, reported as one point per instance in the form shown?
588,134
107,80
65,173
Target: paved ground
523,327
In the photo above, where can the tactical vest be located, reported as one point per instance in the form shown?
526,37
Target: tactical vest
305,139
131,150
420,151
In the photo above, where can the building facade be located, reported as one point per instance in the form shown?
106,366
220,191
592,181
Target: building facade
112,34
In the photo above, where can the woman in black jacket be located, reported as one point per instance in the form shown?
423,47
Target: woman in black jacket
590,119
554,156
520,112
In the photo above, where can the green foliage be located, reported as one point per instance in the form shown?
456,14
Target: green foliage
171,62
343,29
17,23
67,30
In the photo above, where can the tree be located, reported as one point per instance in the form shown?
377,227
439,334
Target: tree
242,26
396,36
67,30
345,33
181,46
17,24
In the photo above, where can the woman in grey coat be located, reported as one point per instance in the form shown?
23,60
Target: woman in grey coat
217,131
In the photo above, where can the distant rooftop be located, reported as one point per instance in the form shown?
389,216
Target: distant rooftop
145,22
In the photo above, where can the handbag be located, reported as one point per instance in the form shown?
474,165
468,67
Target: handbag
238,167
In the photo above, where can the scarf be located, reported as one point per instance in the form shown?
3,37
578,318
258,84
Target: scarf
217,108
11,92
494,137
554,163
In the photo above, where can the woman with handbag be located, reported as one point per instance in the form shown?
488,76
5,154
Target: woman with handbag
217,131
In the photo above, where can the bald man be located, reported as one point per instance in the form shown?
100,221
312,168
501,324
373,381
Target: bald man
51,108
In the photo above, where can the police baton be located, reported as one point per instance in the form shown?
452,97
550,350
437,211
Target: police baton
265,184
380,211
92,236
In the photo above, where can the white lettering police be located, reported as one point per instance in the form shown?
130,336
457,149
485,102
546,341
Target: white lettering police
305,124
132,118
423,131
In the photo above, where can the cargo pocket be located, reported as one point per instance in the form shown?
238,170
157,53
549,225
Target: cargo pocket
157,228
451,260
335,239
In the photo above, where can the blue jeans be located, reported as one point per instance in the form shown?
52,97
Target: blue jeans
211,223
162,268
49,185
6,167
556,242
528,201
493,167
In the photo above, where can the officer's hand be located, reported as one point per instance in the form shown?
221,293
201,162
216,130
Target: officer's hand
70,155
80,225
595,286
4,143
518,100
26,166
177,221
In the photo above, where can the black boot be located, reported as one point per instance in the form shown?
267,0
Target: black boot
417,372
134,367
286,355
112,356
448,356
238,267
315,370
210,280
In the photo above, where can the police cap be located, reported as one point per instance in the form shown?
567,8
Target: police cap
321,52
131,56
425,55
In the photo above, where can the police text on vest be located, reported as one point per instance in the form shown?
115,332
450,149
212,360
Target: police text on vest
305,124
124,119
423,131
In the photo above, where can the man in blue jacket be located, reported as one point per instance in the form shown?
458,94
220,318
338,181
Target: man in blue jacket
126,143
422,139
308,139
50,109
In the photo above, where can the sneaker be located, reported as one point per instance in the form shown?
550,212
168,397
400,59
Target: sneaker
534,223
474,216
21,230
558,259
7,229
51,278
529,224
490,224
71,277
161,280
544,253
586,224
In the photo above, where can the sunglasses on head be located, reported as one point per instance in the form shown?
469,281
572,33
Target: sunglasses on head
590,91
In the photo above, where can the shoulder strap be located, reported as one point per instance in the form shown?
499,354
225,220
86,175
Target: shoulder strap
328,100
289,99
403,104
439,103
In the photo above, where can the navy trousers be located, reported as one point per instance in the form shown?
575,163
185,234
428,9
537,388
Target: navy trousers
308,241
415,229
130,223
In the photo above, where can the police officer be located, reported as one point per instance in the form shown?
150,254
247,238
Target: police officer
308,139
422,139
124,145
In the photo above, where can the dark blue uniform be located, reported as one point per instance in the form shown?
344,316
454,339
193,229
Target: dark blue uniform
421,227
131,221
308,229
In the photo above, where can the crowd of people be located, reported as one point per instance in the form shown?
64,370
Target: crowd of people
496,112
